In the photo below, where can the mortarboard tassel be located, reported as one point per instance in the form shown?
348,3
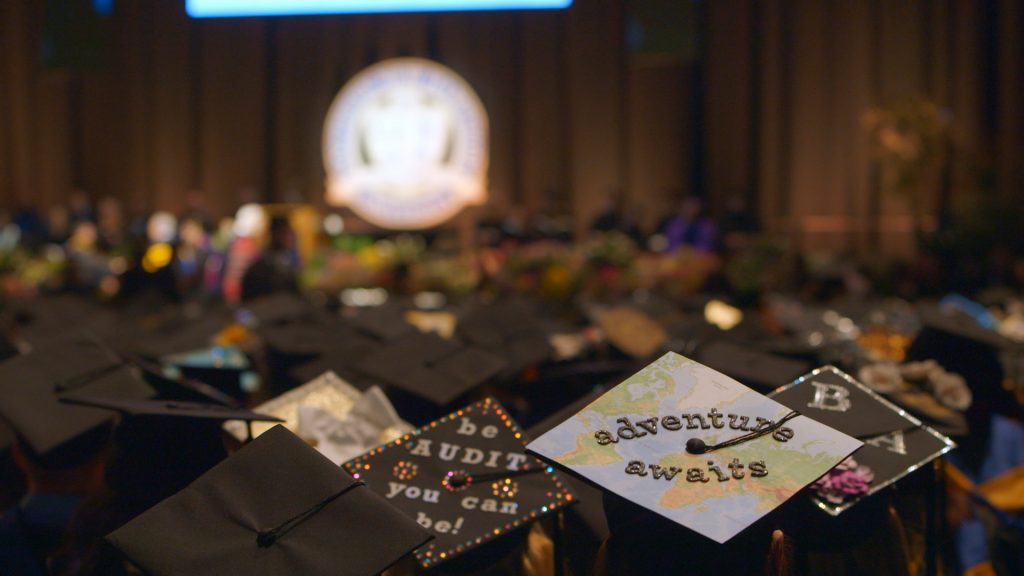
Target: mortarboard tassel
539,556
267,538
779,560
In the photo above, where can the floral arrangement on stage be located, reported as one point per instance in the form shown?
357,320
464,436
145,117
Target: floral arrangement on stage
605,266
910,138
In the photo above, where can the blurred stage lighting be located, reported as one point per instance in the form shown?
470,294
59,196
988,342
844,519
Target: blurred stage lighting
239,8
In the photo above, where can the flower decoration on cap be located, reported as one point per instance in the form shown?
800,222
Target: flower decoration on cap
846,481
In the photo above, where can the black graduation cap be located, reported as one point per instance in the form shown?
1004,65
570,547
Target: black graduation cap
339,356
8,349
274,507
279,307
895,442
956,324
429,366
688,334
510,329
464,477
385,323
30,387
759,370
302,339
171,409
632,331
177,331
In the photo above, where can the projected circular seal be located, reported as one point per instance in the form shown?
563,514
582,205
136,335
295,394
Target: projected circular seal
405,145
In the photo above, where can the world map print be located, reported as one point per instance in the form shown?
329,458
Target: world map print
632,441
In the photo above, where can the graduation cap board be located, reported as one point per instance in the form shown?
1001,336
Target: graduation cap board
464,477
31,386
384,323
275,507
895,442
694,446
178,333
327,392
429,366
213,358
276,308
337,419
955,322
339,357
171,409
632,331
301,338
510,329
760,370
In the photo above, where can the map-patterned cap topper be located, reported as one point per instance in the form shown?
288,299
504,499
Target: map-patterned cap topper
695,446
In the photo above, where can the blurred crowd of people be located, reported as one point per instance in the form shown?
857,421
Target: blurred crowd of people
180,256
103,247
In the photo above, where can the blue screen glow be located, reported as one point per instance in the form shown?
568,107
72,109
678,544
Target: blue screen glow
229,8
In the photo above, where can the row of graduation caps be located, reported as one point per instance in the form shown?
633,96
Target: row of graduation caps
275,481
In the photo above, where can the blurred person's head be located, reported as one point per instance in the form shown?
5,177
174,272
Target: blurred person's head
58,220
83,237
78,201
161,228
691,208
191,233
109,213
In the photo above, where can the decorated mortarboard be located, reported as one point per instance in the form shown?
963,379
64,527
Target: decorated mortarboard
510,329
632,331
464,477
694,446
275,507
327,412
895,442
431,367
31,386
759,370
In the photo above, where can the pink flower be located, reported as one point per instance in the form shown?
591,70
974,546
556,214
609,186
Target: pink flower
846,480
